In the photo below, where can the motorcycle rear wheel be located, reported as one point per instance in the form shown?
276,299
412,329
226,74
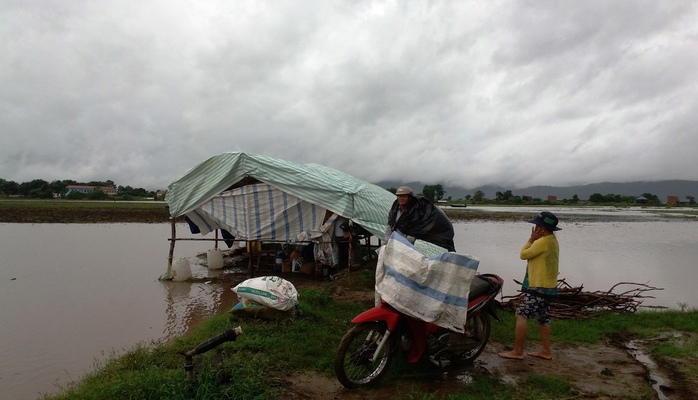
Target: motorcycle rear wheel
477,328
352,363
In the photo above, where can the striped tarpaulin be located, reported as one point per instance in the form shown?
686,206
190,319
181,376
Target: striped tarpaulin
362,202
260,212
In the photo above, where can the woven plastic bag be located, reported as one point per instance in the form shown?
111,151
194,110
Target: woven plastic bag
269,291
431,288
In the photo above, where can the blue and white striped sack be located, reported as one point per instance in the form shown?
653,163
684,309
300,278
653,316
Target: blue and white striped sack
430,288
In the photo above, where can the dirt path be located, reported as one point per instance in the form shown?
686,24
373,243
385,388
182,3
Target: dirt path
607,371
599,372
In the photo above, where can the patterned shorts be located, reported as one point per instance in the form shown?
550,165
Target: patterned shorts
532,306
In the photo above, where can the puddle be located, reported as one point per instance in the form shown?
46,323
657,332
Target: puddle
659,382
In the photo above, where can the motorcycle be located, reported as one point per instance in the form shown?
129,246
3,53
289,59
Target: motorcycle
368,348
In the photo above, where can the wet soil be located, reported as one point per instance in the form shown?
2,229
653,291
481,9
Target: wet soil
605,371
596,372
66,212
601,372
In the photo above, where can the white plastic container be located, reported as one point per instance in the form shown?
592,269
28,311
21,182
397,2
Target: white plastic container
181,270
296,265
214,258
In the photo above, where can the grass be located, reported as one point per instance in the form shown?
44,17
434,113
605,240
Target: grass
250,367
267,349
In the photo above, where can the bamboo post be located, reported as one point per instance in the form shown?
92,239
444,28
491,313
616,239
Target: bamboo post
249,259
350,256
168,274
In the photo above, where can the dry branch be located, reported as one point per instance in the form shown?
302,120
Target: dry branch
574,303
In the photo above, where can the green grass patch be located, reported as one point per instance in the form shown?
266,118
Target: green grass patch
250,367
268,348
641,325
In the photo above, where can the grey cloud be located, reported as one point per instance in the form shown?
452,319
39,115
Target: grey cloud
467,93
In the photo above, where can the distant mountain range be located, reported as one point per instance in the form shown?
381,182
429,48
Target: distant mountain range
662,189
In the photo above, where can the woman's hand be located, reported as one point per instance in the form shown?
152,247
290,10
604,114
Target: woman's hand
536,233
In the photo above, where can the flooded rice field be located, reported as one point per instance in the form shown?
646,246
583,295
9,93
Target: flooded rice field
74,294
598,255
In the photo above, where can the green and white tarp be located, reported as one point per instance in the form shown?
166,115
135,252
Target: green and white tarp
288,203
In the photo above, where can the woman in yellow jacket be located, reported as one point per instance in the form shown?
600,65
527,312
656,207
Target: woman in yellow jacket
540,284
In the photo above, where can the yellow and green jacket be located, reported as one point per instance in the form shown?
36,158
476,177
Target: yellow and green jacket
543,258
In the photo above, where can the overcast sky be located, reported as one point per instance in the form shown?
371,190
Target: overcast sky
465,93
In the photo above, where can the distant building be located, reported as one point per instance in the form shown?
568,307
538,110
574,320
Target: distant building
672,200
552,198
641,200
86,189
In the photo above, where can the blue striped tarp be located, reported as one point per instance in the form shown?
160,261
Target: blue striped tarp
431,288
362,202
260,212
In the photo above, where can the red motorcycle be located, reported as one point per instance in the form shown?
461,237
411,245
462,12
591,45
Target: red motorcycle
368,348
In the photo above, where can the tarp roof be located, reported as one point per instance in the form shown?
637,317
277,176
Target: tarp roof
362,202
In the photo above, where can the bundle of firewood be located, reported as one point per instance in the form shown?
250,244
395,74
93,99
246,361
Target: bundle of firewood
574,302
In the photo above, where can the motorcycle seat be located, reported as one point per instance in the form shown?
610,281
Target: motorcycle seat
481,285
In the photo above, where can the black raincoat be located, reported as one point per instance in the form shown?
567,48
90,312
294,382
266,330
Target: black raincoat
422,220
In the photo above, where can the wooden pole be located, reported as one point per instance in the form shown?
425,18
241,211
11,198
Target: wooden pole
249,259
168,274
351,252
172,243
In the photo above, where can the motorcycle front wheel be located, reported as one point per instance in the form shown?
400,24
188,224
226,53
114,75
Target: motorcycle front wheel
353,362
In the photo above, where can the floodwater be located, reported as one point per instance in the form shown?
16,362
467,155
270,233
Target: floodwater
598,255
72,295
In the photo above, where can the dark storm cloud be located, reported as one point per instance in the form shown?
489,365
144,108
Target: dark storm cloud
467,93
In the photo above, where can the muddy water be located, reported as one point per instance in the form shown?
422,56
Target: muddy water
598,255
72,295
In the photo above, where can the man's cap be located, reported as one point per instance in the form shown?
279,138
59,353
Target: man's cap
546,220
403,190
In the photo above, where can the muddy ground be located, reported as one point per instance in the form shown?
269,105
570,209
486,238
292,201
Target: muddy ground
602,372
605,371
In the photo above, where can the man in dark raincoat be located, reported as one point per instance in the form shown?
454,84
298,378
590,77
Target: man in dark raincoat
415,217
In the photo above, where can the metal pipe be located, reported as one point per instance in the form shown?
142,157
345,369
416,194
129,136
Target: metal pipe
227,336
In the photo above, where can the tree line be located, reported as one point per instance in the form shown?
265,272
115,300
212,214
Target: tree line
436,193
42,189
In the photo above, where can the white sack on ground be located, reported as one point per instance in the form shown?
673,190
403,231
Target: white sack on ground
434,289
269,291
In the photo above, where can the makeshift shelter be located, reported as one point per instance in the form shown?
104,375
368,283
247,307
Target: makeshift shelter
258,198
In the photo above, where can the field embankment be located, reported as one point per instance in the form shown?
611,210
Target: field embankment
81,212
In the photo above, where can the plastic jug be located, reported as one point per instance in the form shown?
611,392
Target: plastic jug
181,270
214,258
296,265
280,257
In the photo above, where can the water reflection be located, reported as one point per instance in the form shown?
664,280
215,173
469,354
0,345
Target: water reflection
187,304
